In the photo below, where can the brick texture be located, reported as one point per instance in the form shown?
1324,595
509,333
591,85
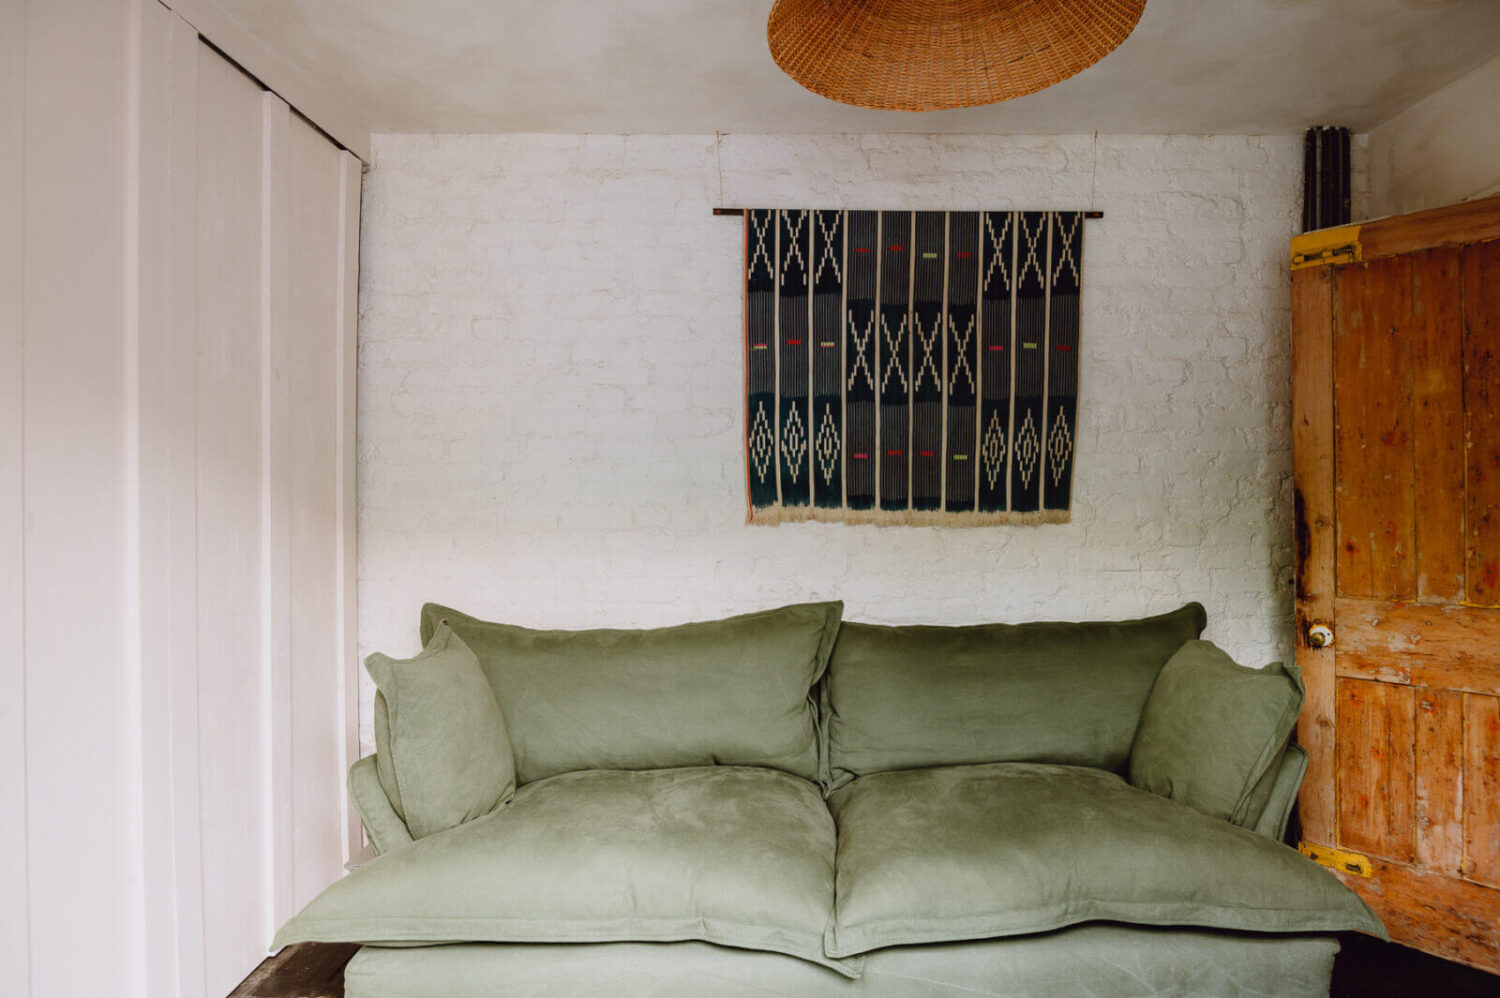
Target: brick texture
550,378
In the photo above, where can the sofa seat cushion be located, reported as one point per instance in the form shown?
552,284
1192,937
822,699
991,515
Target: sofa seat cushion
1097,961
737,856
972,852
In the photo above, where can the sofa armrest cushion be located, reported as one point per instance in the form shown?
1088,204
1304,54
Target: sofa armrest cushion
444,739
1213,730
1272,819
383,826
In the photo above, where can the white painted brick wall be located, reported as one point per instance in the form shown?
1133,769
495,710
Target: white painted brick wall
551,375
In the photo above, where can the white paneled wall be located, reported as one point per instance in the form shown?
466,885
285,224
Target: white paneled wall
177,280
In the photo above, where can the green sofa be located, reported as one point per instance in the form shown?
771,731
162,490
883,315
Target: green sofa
783,804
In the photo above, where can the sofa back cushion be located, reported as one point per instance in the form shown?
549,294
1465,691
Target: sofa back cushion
1069,693
734,692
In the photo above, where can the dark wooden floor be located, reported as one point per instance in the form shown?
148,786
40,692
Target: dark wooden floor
1365,968
1369,968
307,970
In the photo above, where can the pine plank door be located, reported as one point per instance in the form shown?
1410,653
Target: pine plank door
1396,442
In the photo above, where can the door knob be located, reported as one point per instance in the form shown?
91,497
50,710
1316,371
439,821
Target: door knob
1320,635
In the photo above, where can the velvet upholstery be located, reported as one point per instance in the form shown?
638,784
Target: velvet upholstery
738,856
1085,961
971,852
933,879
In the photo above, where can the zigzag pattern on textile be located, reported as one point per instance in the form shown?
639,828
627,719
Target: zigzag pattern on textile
912,367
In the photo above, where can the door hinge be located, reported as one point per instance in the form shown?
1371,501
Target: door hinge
1336,859
1322,247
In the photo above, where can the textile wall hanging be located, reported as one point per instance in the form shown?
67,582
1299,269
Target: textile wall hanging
911,367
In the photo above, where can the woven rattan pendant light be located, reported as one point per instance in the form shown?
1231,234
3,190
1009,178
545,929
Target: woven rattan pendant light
929,55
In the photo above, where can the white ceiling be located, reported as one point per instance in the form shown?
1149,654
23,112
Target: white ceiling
1192,66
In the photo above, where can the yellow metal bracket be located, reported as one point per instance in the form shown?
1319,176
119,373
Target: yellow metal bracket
1336,859
1325,246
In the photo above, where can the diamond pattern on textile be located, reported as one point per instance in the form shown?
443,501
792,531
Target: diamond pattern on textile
1031,241
1067,233
998,252
972,319
1059,447
893,345
828,258
794,444
794,222
928,339
993,449
861,352
761,250
1028,451
962,364
829,445
762,443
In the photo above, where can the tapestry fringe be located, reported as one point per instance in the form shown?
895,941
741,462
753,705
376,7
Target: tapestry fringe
770,516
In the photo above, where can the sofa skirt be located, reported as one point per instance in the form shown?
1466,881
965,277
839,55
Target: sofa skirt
1088,961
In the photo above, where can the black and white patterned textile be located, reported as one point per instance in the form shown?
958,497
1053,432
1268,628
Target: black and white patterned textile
911,367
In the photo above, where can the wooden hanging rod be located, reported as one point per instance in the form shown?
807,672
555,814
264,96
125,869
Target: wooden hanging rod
739,212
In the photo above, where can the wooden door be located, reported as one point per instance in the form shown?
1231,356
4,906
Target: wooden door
1396,433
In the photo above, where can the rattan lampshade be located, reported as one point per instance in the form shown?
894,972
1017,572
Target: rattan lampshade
928,55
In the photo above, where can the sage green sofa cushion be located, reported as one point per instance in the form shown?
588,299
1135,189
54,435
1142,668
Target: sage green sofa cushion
972,852
732,855
383,826
1273,818
1084,961
730,692
442,753
906,697
1213,732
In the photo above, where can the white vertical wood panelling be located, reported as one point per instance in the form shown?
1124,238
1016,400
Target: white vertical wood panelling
181,611
232,579
148,465
80,801
310,94
176,503
166,416
345,569
14,927
311,348
276,422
